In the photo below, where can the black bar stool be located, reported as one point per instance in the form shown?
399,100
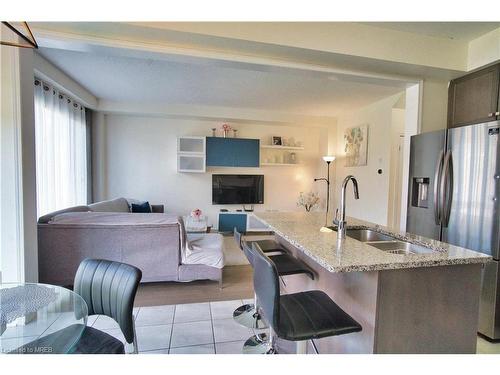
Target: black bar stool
286,265
247,315
298,316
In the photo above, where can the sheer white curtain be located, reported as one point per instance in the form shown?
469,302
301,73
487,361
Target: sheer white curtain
61,150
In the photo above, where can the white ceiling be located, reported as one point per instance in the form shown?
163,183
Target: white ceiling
128,79
451,30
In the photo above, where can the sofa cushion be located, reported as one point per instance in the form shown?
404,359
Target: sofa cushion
46,218
114,219
204,248
114,205
141,208
182,234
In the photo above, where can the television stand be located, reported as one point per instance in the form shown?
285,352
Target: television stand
242,221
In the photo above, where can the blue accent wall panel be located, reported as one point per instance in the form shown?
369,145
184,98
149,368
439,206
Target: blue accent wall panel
232,152
227,222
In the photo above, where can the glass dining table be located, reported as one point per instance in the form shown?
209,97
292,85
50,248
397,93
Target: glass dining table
40,318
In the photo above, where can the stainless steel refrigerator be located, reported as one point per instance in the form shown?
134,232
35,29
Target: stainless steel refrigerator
453,196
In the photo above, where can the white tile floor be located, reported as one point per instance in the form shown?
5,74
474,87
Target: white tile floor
204,328
198,328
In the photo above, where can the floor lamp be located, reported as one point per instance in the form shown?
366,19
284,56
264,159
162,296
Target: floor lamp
328,160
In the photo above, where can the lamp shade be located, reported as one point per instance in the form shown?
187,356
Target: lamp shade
328,158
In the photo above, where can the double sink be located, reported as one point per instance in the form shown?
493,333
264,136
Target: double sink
387,243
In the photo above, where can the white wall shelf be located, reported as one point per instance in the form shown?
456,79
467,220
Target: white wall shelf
191,154
278,164
191,145
275,155
282,147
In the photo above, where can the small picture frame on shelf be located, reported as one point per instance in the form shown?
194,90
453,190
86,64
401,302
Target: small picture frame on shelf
276,141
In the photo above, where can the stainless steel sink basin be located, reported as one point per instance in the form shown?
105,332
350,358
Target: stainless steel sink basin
401,248
367,235
385,242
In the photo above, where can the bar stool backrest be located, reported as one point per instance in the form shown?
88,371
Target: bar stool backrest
244,246
249,253
266,285
238,238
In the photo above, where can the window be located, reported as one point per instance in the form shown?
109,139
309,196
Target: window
61,150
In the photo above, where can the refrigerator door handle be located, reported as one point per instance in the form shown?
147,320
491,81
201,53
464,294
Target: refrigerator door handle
446,189
437,178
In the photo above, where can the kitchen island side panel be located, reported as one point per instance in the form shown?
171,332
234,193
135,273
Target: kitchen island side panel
428,310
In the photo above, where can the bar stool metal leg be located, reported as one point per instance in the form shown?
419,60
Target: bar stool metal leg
257,344
301,347
248,316
314,346
271,346
262,343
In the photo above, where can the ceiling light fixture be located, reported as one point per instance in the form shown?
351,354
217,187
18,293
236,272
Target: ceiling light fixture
27,36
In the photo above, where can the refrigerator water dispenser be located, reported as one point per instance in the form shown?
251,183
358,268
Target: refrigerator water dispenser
420,192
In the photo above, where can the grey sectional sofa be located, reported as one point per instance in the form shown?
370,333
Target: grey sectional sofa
107,230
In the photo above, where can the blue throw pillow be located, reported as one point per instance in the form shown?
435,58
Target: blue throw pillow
141,208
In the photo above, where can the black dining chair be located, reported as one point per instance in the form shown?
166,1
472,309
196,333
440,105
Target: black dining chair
108,288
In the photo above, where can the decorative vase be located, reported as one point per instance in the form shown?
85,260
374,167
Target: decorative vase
234,133
226,128
214,134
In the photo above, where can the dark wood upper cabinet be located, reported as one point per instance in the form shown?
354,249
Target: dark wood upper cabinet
474,98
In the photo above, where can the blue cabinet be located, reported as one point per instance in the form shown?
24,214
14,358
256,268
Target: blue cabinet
232,152
228,221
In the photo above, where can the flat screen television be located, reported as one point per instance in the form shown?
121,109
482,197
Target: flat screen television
237,189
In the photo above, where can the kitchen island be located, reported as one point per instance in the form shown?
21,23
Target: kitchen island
421,299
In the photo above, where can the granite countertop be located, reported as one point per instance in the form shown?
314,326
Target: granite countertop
302,229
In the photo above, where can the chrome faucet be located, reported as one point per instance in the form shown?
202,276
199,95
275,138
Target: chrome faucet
340,221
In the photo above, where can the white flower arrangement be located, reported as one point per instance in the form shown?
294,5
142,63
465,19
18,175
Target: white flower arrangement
308,200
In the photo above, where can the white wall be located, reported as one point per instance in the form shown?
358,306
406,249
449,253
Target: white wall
10,218
434,105
396,167
139,156
18,236
347,38
484,50
27,107
413,95
372,204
